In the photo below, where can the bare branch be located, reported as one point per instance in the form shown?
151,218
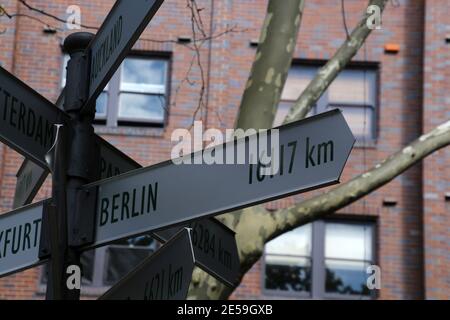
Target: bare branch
334,66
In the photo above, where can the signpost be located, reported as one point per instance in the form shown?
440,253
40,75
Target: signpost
28,113
155,197
117,35
30,178
165,275
28,119
27,125
214,247
20,238
308,155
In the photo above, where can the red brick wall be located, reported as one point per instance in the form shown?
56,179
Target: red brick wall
436,175
399,238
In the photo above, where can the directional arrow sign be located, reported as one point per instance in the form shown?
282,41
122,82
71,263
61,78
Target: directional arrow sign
165,275
20,236
27,122
312,152
27,119
117,35
30,177
214,246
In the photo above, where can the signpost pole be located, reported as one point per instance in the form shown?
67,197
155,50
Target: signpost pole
81,164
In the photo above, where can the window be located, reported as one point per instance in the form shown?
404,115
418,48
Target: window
324,259
288,261
104,266
354,91
135,95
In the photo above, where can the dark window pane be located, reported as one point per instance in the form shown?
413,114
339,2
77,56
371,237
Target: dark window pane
346,277
122,260
141,107
288,274
87,268
139,241
87,265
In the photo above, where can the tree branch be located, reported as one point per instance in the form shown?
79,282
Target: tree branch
334,66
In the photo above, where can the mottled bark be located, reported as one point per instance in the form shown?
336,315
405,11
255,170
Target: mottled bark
271,65
334,66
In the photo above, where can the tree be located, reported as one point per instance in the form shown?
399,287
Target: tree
256,226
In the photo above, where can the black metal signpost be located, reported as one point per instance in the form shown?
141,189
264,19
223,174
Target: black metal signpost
86,212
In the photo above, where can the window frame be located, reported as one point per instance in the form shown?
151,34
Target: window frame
113,91
323,103
317,258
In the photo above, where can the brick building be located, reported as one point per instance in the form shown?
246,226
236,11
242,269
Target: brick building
394,90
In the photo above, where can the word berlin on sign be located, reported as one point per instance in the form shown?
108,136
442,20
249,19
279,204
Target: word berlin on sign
215,248
20,236
165,275
159,196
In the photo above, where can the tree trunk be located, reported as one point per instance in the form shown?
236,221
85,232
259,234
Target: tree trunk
262,94
272,62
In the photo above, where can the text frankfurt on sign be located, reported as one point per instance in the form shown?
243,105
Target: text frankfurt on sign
311,156
165,275
20,237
